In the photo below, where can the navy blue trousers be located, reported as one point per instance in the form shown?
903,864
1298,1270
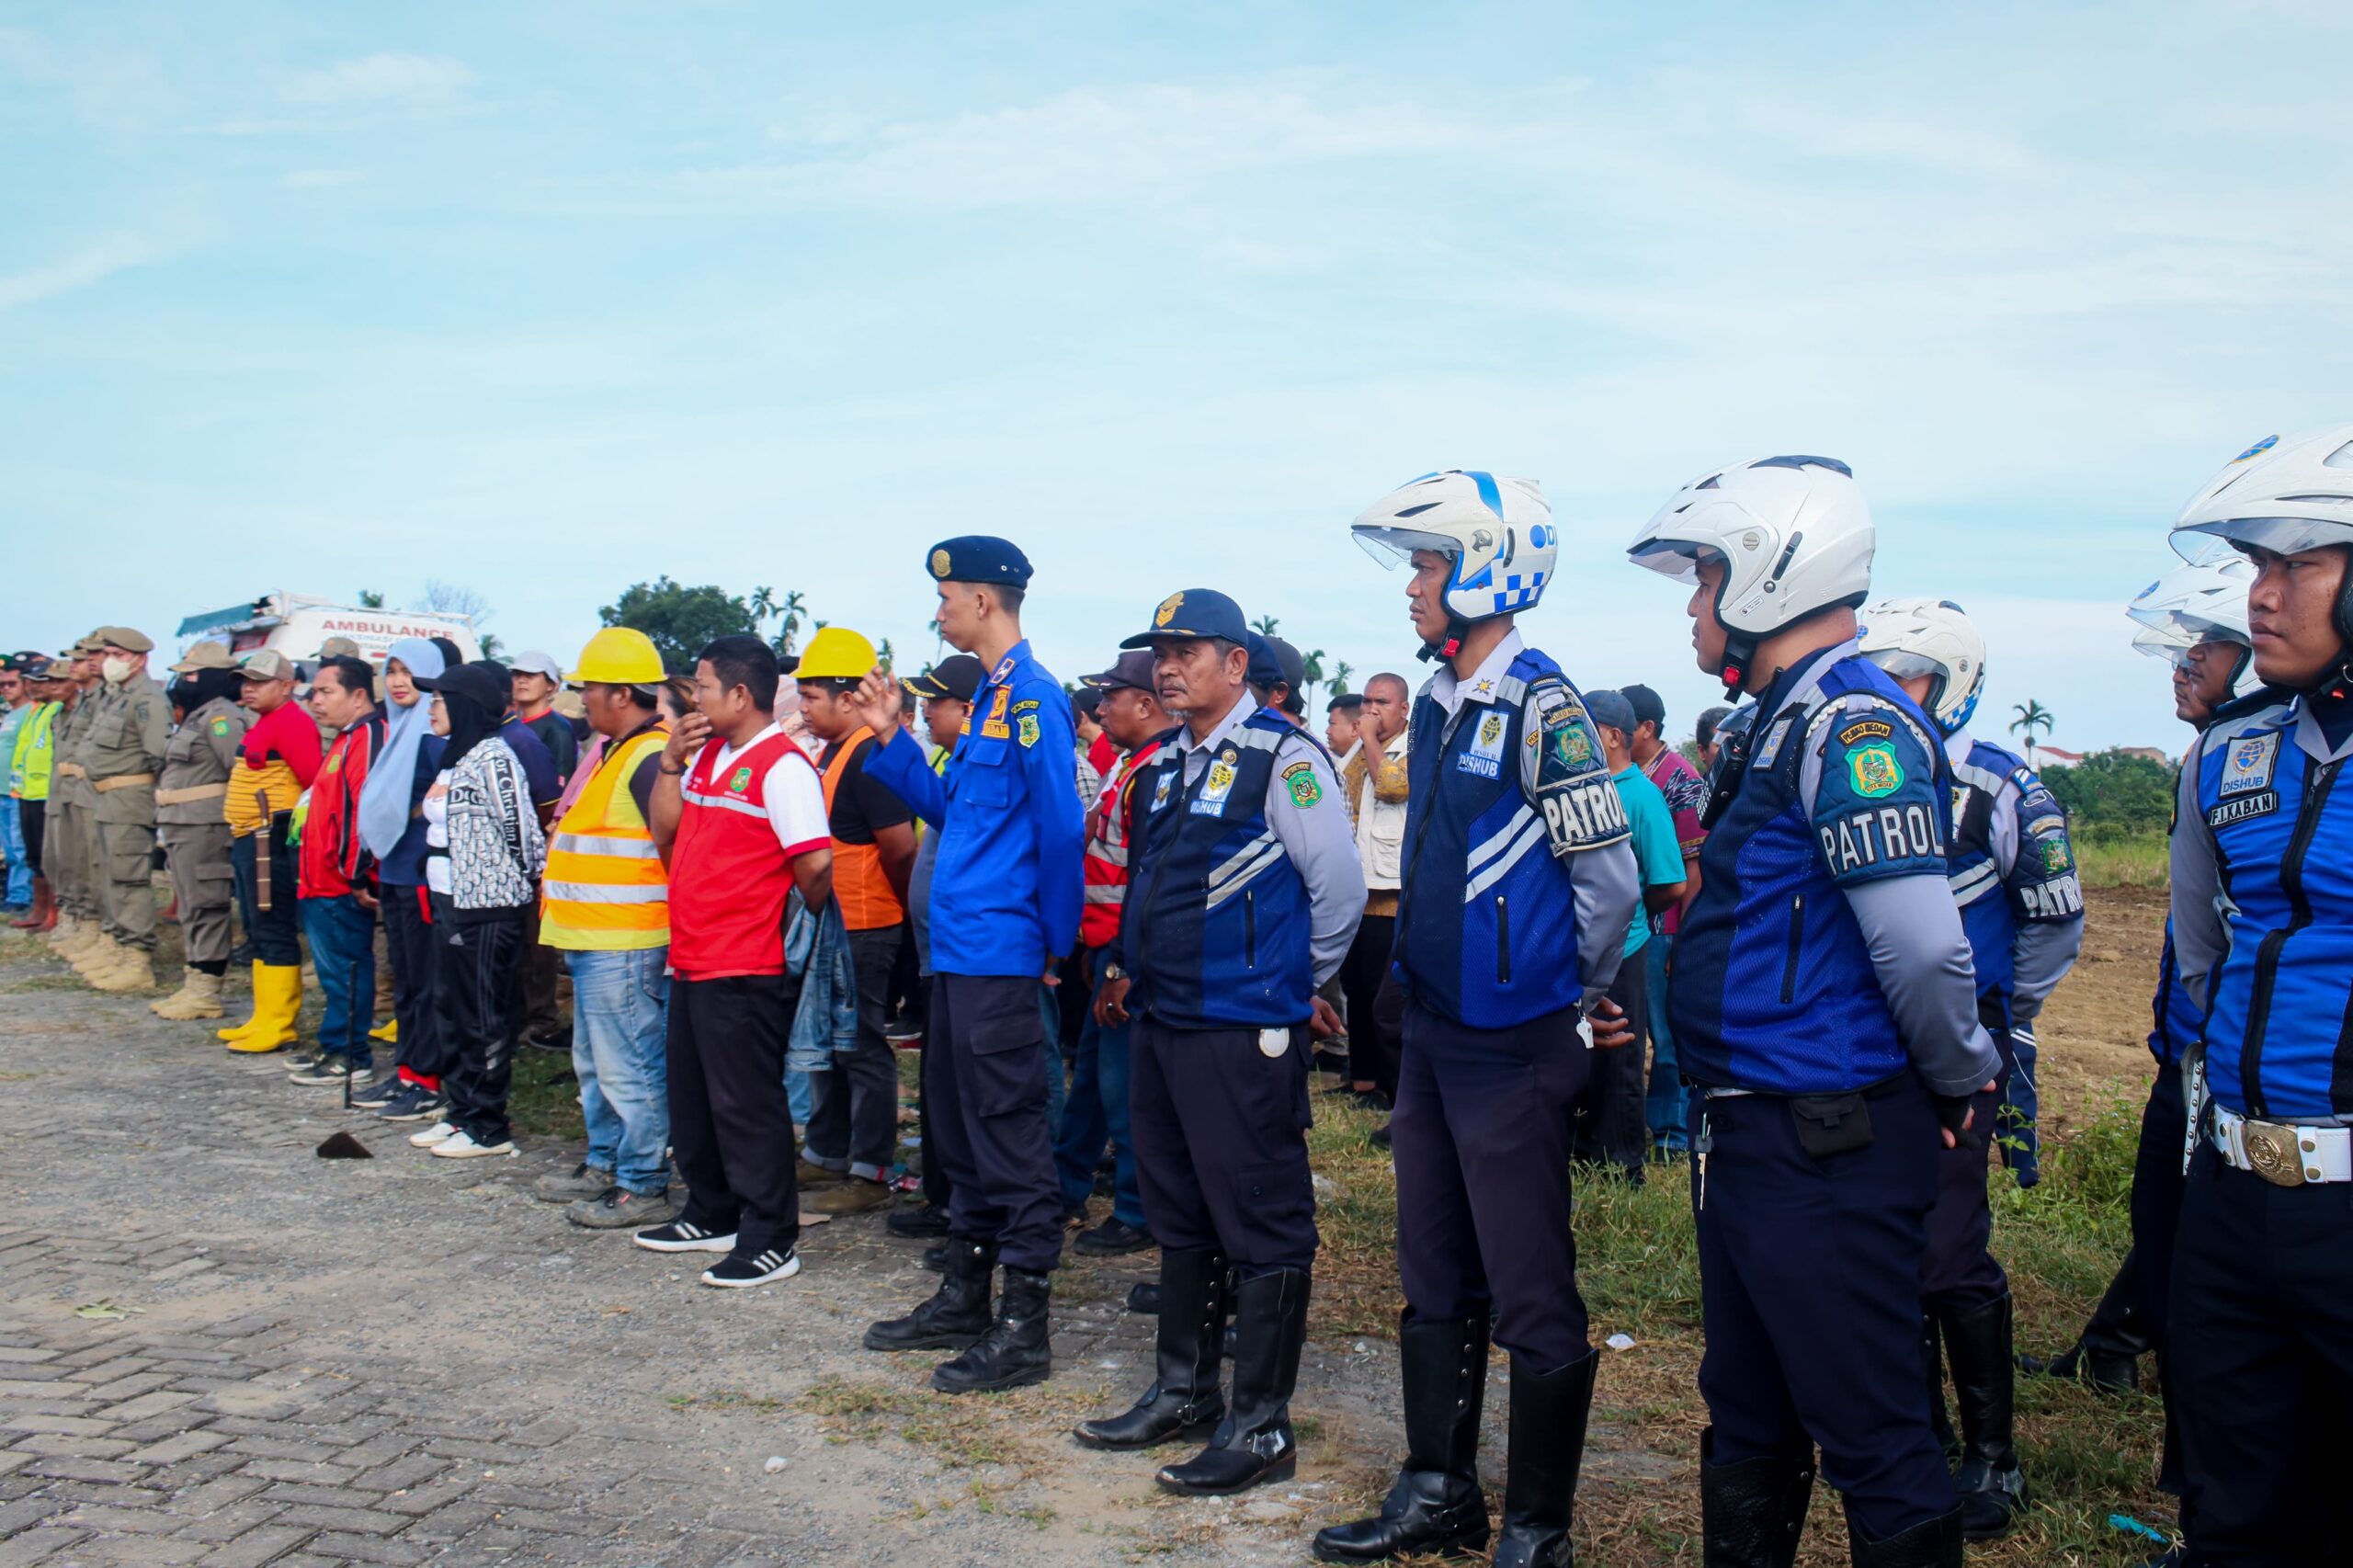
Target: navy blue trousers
1482,1136
1959,1271
1810,1297
990,1120
2156,1216
1220,1131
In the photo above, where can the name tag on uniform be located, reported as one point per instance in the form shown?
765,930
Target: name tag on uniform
1485,756
1211,801
1274,1042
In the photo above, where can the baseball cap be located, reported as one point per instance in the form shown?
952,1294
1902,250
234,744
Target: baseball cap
1611,708
268,664
979,558
1193,613
531,661
957,675
1133,669
1646,704
36,667
1272,660
205,656
339,648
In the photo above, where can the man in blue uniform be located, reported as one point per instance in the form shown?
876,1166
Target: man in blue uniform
1517,888
2022,906
2260,1340
1005,905
1243,895
1825,1011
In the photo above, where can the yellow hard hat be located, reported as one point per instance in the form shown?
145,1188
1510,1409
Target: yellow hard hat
619,655
836,654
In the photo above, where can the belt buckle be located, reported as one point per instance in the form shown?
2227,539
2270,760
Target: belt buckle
2272,1154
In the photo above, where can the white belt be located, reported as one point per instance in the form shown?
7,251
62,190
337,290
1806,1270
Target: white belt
2282,1154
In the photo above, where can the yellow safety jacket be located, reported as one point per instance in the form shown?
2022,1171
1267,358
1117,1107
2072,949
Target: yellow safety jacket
606,889
29,768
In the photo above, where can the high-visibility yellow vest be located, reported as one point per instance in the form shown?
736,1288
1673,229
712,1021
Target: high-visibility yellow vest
36,754
606,889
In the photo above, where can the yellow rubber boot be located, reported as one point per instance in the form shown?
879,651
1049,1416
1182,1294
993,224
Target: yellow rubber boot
235,1032
389,1032
278,1000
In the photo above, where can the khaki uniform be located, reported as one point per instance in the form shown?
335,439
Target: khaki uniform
65,851
128,727
192,821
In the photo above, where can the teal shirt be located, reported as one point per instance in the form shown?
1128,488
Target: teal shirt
12,719
1658,854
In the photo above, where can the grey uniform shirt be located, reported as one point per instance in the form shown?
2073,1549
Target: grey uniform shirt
2046,895
1316,837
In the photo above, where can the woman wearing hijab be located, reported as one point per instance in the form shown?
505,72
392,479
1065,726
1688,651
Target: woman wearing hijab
391,824
484,856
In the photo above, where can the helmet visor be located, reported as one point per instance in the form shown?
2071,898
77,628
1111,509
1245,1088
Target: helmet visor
1394,547
1676,557
2281,535
1901,664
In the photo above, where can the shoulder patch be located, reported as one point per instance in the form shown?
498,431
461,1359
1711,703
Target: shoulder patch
1305,789
220,727
2249,763
1864,730
1027,705
1030,728
1873,770
1770,749
1579,804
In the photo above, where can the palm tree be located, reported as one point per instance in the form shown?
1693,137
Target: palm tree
2031,715
1265,625
1310,675
1340,673
882,652
790,609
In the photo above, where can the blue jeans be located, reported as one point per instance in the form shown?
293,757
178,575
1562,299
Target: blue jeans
12,844
1665,1107
620,1011
1096,1111
343,950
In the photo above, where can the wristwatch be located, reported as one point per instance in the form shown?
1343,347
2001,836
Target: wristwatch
1113,972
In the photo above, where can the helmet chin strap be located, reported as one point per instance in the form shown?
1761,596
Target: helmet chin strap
1739,649
1445,647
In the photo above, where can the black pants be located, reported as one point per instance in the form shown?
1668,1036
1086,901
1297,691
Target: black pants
1613,1126
1376,1007
473,1001
938,1192
988,1102
2259,1348
853,1103
536,973
2156,1219
273,933
731,1124
34,816
1220,1134
408,944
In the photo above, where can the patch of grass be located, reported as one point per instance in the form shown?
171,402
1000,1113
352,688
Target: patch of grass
2136,860
43,982
724,1399
537,1103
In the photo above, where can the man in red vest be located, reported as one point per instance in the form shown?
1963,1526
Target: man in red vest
740,814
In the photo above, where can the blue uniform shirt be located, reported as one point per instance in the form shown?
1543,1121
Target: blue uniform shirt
2014,877
1007,889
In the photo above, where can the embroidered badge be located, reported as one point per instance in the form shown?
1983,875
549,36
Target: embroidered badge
994,726
1866,730
1300,781
940,565
1210,802
1874,771
1160,790
1485,756
1029,728
1003,673
739,780
2240,808
1773,739
2055,858
2250,763
220,727
1167,610
1574,746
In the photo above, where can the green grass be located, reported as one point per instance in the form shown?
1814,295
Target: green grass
2137,860
536,1103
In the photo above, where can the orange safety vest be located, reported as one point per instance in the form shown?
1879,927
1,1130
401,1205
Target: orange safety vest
866,899
606,889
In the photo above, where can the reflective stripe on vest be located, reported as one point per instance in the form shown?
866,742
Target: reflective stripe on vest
864,894
606,889
28,769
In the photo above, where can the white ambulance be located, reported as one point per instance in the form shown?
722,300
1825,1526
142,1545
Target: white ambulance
298,626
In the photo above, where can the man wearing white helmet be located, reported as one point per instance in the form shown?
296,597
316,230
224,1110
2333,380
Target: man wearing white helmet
1517,887
2013,872
2259,1345
1825,1010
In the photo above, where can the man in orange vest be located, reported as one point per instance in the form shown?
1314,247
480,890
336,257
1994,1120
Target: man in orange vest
853,1118
606,905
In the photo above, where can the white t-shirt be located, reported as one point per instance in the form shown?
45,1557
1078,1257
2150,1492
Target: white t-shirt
436,811
795,795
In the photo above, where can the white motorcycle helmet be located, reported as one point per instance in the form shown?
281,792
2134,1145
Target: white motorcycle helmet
1933,638
1498,530
2201,603
1794,534
2286,496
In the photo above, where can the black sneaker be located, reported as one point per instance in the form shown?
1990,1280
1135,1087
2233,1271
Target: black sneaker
918,1223
903,1030
737,1271
381,1093
302,1059
1113,1237
553,1041
330,1072
414,1103
684,1235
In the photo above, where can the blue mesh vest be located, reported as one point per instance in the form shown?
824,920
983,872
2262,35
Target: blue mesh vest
1774,990
2278,1029
1216,932
1486,923
2174,1013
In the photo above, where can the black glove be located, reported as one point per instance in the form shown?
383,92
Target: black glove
1952,1115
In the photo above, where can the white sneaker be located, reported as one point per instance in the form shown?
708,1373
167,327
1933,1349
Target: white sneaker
458,1146
432,1135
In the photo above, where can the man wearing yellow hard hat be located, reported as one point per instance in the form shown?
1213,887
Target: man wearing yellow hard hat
853,1117
606,907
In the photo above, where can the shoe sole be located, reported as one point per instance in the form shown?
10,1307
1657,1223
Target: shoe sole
935,1341
631,1222
1099,1250
714,1244
1461,1546
998,1385
429,1142
442,1151
1191,1432
792,1268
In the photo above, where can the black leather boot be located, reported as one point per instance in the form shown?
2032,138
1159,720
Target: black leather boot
1548,1415
1183,1399
2106,1371
1993,1486
1935,1544
1017,1350
1254,1443
1932,1358
1752,1511
1435,1505
957,1314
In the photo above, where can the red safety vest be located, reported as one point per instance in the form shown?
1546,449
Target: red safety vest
729,877
1106,866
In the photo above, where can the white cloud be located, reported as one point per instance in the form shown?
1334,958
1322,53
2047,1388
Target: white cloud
380,78
91,265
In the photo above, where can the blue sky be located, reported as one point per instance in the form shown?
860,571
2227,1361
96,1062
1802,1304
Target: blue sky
549,299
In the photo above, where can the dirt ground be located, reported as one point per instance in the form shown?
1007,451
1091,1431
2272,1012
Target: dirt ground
2094,1033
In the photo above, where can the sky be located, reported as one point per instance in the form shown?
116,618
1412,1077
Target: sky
547,300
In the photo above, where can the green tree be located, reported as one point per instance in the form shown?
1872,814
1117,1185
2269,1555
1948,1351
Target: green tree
2031,715
370,599
680,620
1265,625
2113,794
1310,676
1340,673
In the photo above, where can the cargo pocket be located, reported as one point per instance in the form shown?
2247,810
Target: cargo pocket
129,853
214,885
1005,1050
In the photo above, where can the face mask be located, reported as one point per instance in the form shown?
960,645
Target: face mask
117,669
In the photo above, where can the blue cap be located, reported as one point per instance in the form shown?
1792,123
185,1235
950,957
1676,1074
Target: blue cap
1193,613
1612,707
980,558
1274,661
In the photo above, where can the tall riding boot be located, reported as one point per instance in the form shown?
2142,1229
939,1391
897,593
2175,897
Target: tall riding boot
1932,1358
1017,1349
42,916
1183,1399
1753,1511
1548,1417
1435,1505
956,1314
1935,1544
1254,1443
1993,1486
